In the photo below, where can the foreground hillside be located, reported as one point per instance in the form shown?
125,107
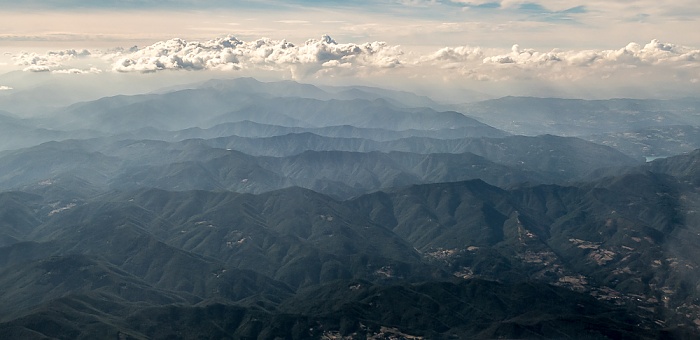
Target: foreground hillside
618,253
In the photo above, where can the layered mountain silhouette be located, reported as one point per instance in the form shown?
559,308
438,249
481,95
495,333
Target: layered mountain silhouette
340,167
250,210
576,117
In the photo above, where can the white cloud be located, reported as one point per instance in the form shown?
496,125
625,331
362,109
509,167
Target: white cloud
77,71
230,53
5,88
37,68
456,54
655,59
51,61
653,53
474,2
520,56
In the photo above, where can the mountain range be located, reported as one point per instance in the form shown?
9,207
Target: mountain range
250,210
338,166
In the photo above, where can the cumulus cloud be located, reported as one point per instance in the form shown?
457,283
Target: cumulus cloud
93,70
633,54
653,58
521,56
230,53
50,61
458,54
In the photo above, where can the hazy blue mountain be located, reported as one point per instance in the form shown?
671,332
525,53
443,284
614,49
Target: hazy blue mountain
46,161
398,98
39,93
55,91
575,117
234,171
559,157
209,106
99,164
653,142
341,174
246,85
169,111
364,172
9,118
257,130
16,133
294,89
377,113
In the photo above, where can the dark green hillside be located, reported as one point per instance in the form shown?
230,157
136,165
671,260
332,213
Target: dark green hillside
117,233
619,247
17,216
295,235
686,167
31,284
470,309
635,234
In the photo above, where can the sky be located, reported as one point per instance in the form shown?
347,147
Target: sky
452,49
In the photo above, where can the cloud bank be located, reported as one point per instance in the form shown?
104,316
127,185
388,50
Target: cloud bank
326,57
650,59
652,65
54,61
229,53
